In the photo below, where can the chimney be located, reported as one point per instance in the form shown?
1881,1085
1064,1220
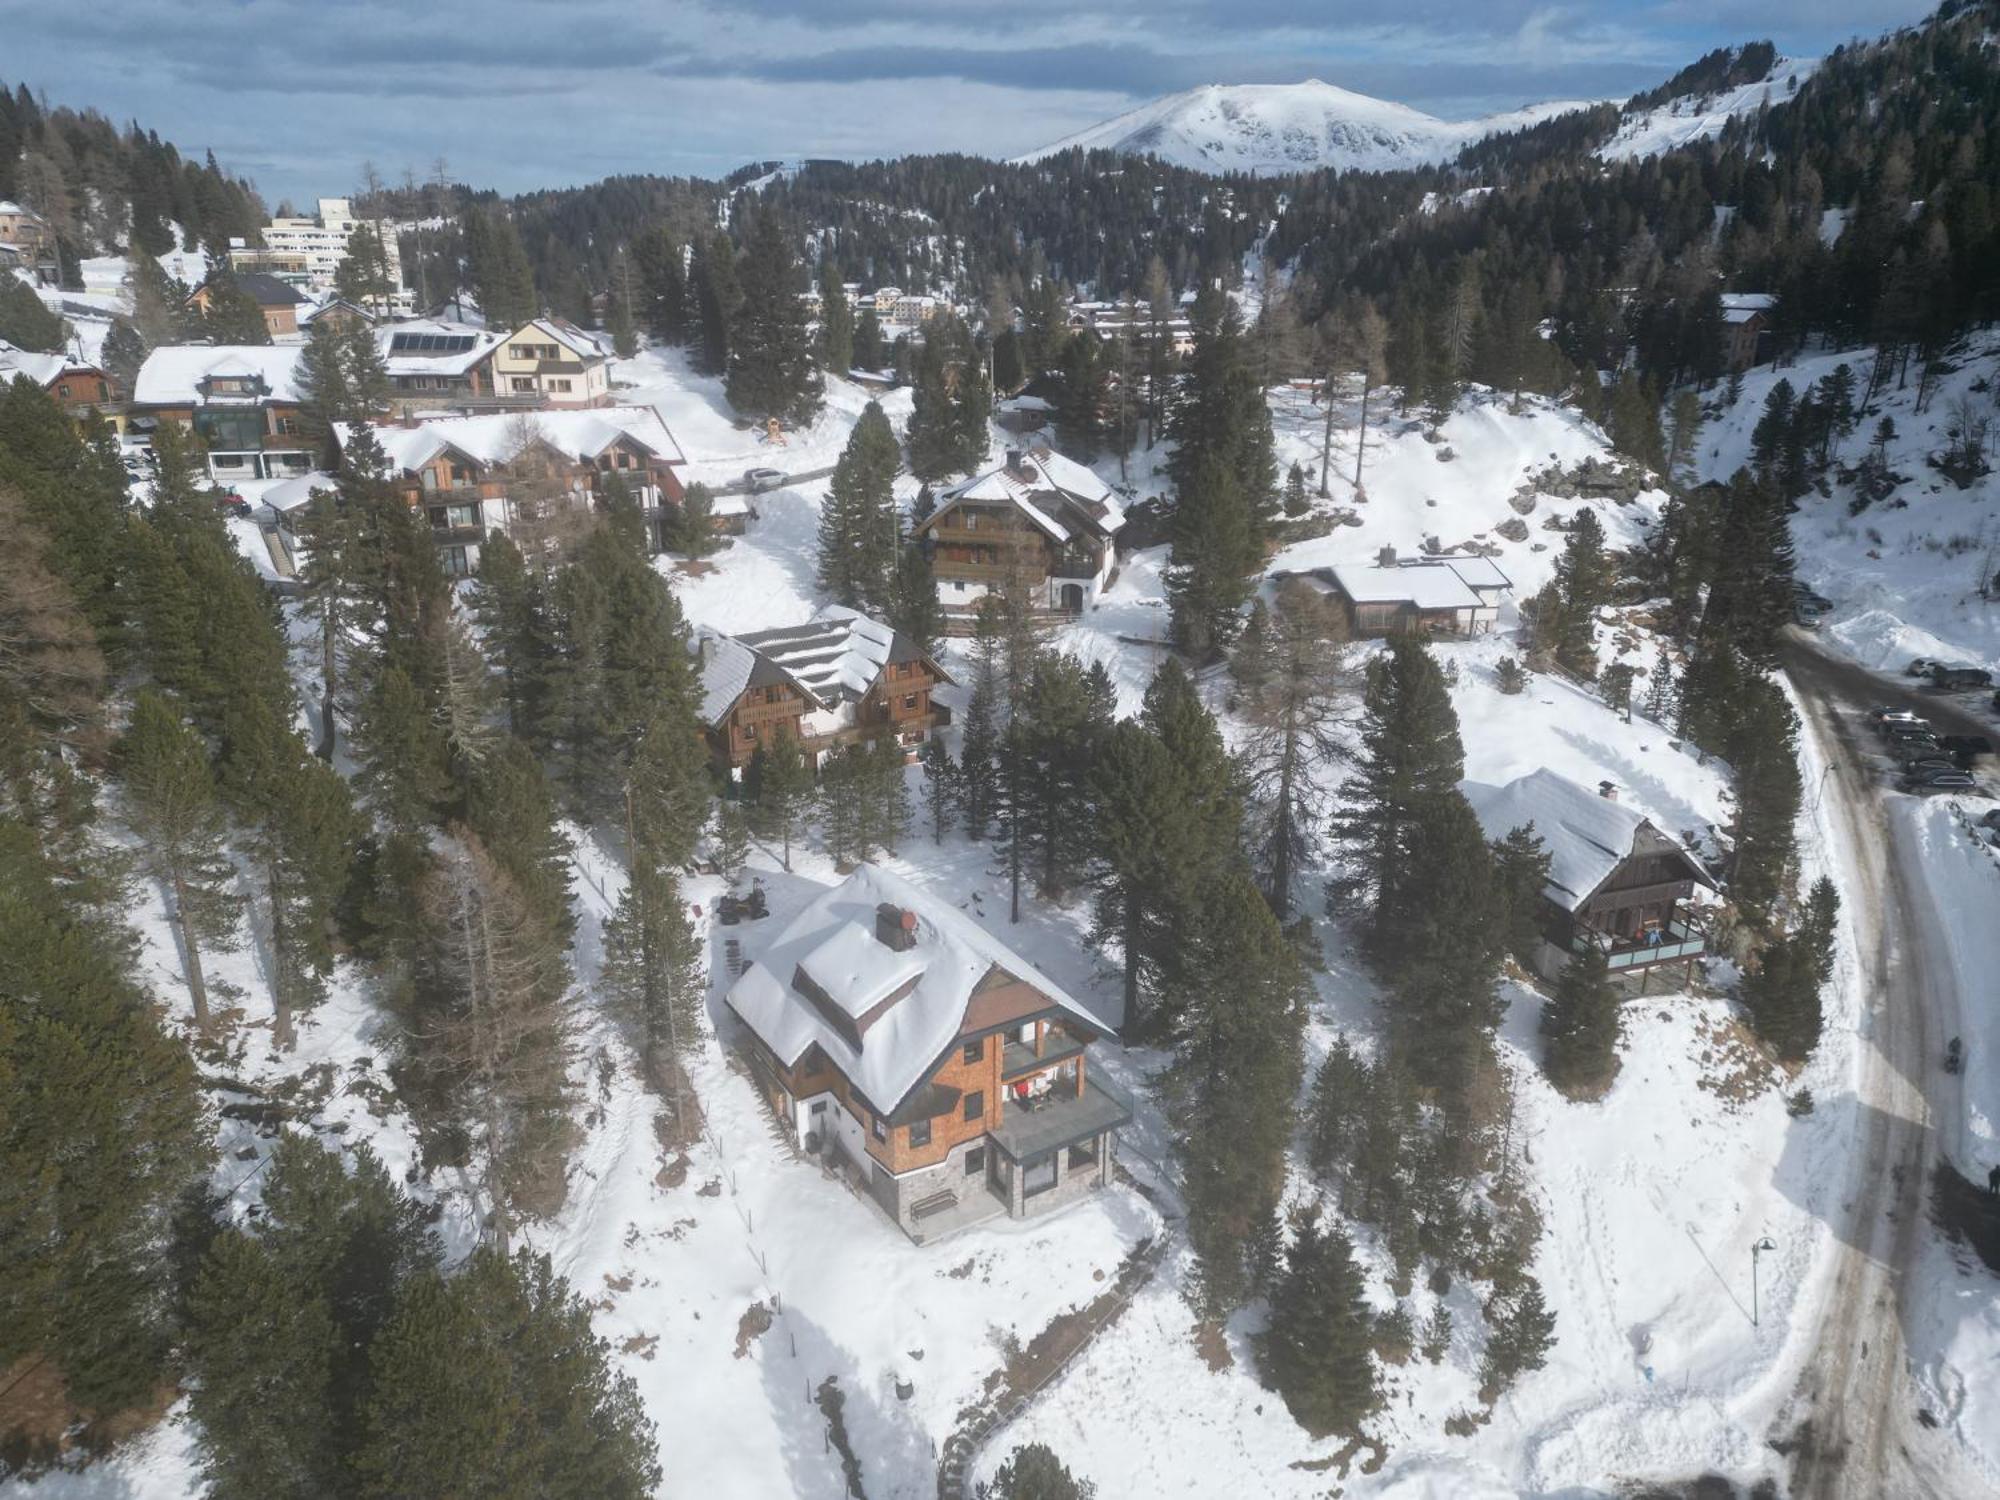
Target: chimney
1386,558
1608,790
1014,461
895,927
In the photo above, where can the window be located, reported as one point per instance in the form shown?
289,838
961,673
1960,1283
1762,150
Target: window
975,1104
975,1049
62,393
975,1161
881,1129
430,479
456,563
522,383
458,474
909,702
920,1133
1038,1177
559,385
1083,1154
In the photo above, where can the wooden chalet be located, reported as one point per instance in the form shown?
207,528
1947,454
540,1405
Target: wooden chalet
1039,518
1445,595
77,385
471,474
1615,880
242,399
900,1041
840,677
1746,328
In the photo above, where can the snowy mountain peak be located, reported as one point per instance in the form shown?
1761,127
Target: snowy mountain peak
1291,127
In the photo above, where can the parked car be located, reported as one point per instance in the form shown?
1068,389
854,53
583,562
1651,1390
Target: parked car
1926,782
1921,666
1900,736
757,481
233,503
1960,679
1805,616
1808,597
1966,748
1929,760
1885,718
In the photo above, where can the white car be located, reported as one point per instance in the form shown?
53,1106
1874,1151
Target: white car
757,481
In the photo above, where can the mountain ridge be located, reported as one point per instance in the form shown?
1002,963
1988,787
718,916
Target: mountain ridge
1272,128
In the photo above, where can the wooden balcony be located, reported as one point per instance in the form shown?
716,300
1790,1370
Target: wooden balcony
1677,941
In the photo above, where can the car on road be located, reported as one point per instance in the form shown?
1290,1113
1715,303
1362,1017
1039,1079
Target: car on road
757,481
1925,783
1960,679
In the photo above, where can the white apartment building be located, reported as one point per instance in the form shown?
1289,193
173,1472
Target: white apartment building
306,252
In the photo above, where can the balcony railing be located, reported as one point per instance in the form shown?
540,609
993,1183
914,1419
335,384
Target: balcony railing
1676,941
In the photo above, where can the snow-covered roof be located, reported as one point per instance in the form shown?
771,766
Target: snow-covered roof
8,206
1740,307
583,345
173,373
1421,587
1475,572
289,494
1058,495
832,943
1587,835
496,437
435,346
40,368
834,657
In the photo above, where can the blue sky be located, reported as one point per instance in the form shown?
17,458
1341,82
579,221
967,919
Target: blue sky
517,94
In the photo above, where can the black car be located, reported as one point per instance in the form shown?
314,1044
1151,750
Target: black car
1939,781
1966,748
1960,679
1904,736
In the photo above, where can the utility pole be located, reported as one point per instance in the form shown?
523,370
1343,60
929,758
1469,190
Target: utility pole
1756,1250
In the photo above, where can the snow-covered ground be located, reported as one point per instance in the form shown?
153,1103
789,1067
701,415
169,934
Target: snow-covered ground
1652,1195
1904,572
1691,118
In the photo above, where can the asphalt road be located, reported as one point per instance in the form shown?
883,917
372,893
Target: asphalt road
1853,1419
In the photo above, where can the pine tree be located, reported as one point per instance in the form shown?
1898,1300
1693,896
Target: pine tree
868,340
772,369
663,288
1215,552
885,798
654,976
510,603
1583,579
1316,1350
1067,714
492,1383
1521,1333
1296,503
502,280
511,806
1614,686
1295,711
174,812
1582,1023
913,598
101,1131
859,531
1660,695
233,316
839,797
1238,1015
1083,399
1509,678
731,842
1033,1472
321,380
985,716
948,432
495,1021
784,782
836,321
716,296
941,787
1520,875
1410,754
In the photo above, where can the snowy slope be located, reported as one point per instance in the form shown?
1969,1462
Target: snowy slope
1650,1195
1904,571
1291,127
1697,117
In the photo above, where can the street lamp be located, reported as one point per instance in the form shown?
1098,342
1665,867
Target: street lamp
1756,1250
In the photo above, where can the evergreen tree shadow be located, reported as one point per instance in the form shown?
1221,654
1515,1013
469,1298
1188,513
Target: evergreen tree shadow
889,1456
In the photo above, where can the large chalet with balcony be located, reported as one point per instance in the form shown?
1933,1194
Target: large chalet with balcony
1615,881
900,1041
242,399
474,474
1040,521
840,677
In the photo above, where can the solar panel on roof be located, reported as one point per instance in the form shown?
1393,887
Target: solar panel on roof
431,343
